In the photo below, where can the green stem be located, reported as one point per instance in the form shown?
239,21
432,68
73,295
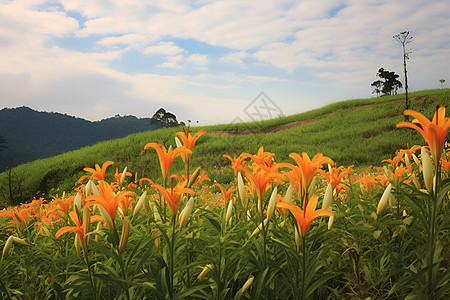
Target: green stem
90,273
303,268
172,249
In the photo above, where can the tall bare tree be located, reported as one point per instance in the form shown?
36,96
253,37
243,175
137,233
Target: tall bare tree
442,81
404,38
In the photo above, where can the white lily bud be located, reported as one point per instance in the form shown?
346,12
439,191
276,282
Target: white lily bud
156,214
77,201
407,162
312,186
106,218
140,203
416,160
7,246
122,178
330,222
247,283
330,169
328,197
91,188
287,198
296,237
427,169
229,211
180,144
258,229
186,212
272,203
384,198
241,189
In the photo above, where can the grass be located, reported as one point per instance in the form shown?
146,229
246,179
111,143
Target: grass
358,131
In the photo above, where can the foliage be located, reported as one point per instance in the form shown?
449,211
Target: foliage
389,85
81,245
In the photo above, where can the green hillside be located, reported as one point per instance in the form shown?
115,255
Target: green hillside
360,132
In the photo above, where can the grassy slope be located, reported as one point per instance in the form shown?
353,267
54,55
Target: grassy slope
360,132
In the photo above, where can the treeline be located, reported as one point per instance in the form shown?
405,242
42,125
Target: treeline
26,134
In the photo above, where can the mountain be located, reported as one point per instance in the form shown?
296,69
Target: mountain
32,134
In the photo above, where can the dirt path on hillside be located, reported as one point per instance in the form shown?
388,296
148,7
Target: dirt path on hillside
301,122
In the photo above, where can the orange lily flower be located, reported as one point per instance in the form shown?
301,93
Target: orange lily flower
445,164
367,182
64,203
261,158
434,131
189,140
236,163
166,157
226,194
99,173
336,175
308,167
260,181
80,228
120,176
108,200
305,217
173,195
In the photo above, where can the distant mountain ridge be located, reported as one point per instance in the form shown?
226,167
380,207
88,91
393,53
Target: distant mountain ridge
32,134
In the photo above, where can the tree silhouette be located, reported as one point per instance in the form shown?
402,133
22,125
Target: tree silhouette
442,81
404,38
390,83
162,116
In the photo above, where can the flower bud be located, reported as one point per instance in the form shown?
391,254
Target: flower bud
194,176
328,197
186,212
384,198
258,229
229,211
272,203
77,201
248,283
122,178
7,246
106,218
140,203
427,169
205,271
241,189
125,234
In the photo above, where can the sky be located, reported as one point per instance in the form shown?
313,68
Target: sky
212,62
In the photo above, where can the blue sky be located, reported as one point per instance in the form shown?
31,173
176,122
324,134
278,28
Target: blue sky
207,60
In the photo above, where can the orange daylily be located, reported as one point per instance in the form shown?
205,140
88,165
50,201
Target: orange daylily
260,181
166,157
336,175
366,182
108,200
80,228
226,194
236,163
120,177
98,173
434,131
173,195
189,140
307,167
261,158
305,217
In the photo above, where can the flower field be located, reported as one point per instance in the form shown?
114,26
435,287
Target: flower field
305,228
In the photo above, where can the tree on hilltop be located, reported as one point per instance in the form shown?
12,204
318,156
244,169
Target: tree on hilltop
389,84
164,117
404,38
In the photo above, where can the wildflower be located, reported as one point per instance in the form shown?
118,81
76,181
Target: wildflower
189,141
384,198
307,167
306,216
236,163
226,194
99,173
434,131
166,157
108,202
186,212
79,229
120,177
173,195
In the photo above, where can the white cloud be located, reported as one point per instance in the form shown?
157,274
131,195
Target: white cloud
197,59
165,48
